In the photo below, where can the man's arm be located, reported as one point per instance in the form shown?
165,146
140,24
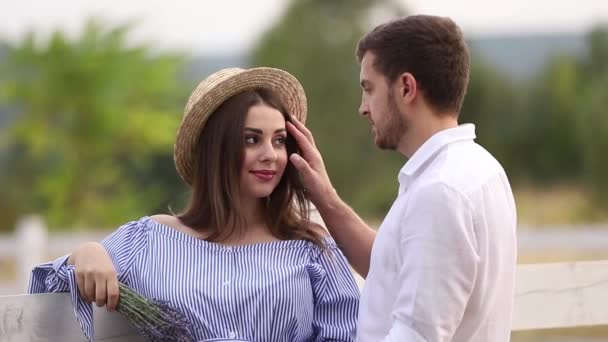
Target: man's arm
354,236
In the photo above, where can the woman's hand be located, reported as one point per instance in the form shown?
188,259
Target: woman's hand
95,275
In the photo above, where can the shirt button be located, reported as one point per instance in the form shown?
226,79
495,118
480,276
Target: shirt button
227,283
232,334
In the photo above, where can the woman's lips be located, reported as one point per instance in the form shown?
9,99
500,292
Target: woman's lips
264,175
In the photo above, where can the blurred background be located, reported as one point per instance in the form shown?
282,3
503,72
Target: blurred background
92,93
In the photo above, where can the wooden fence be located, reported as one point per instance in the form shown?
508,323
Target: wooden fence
550,295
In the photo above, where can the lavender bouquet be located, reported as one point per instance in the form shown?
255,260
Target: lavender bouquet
156,320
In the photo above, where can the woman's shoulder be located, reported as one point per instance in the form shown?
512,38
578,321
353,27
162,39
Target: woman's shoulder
171,222
147,224
135,224
164,219
319,230
328,244
175,225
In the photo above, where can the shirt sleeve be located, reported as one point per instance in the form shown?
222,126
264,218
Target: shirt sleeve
336,295
57,276
438,252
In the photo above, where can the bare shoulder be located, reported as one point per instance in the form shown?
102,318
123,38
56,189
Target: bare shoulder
168,220
318,229
175,223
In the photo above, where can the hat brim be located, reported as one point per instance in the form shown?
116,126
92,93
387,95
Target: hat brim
218,88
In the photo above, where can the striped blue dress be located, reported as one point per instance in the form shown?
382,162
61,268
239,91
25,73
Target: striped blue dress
272,291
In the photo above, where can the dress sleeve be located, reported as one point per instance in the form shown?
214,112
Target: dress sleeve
56,276
336,295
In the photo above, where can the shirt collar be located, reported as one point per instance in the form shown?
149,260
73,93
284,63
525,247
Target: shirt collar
432,146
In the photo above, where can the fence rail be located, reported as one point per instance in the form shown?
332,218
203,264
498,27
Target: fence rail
560,295
32,244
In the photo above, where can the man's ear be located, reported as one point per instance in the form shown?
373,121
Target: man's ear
407,87
411,88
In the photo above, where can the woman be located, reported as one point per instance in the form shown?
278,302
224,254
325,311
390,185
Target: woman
242,260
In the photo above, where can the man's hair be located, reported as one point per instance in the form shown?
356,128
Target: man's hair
431,48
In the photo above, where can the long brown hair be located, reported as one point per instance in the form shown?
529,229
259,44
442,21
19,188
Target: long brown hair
214,204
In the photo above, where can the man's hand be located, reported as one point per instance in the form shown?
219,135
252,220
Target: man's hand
347,228
310,165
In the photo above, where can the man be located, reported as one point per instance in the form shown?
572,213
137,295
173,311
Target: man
441,266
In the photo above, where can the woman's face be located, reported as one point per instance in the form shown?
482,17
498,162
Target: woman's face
265,152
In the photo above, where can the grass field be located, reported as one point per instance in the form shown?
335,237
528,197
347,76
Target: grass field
558,205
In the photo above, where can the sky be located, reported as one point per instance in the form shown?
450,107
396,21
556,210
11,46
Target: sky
229,26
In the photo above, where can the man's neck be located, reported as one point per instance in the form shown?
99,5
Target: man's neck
421,131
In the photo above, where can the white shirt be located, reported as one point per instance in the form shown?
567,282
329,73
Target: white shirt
443,262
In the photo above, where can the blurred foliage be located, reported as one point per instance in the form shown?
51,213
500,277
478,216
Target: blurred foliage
494,105
545,130
315,40
592,113
88,141
553,127
92,143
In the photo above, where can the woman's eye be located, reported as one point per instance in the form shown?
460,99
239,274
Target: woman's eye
280,141
250,140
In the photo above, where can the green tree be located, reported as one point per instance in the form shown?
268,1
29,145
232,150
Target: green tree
96,118
591,114
549,138
562,137
315,40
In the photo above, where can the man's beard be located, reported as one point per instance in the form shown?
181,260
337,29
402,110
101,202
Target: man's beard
393,129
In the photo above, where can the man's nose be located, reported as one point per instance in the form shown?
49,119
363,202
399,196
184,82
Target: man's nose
363,109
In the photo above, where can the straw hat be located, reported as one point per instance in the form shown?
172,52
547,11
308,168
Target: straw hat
216,89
